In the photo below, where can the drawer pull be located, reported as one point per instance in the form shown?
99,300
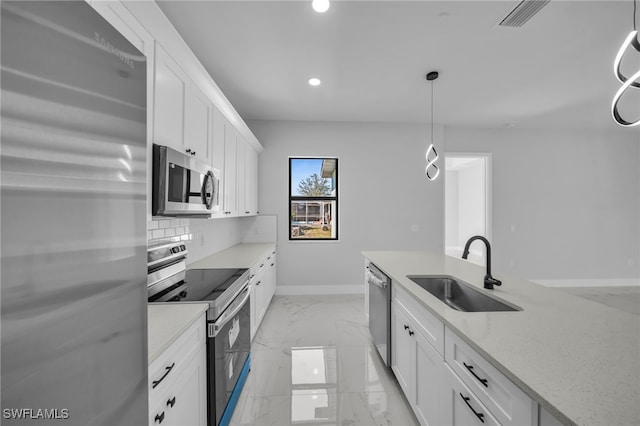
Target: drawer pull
272,264
406,327
481,380
159,417
410,333
171,402
466,401
157,382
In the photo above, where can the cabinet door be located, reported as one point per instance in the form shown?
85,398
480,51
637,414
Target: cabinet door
254,313
429,382
186,402
402,351
271,281
261,294
251,181
217,154
198,123
169,101
229,207
241,149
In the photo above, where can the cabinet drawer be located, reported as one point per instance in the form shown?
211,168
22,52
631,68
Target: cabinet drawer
428,324
164,371
507,402
260,265
184,402
463,407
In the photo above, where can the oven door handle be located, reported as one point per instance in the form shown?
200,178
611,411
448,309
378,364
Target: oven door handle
230,312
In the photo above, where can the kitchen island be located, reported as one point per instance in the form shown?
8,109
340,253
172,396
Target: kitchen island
578,359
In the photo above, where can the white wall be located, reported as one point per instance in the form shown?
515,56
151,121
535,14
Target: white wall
452,196
572,198
382,193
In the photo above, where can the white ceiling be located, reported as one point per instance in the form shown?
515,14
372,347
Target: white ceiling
372,56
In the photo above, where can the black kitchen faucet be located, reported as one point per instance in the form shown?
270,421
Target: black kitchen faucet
489,281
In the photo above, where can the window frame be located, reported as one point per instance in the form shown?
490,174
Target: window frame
332,198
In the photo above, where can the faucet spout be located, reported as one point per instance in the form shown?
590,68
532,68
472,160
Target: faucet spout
489,280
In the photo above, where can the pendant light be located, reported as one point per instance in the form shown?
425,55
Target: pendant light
432,170
631,40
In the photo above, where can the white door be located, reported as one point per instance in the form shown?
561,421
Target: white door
467,203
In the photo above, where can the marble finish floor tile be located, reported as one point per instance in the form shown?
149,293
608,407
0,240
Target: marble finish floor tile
313,362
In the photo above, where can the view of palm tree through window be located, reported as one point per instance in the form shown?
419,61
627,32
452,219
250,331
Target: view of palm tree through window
313,198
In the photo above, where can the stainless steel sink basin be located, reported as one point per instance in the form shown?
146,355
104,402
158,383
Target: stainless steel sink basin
460,295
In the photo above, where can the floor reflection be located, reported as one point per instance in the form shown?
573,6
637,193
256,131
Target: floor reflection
314,381
310,368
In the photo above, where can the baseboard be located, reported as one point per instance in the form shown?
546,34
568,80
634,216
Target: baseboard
307,290
597,282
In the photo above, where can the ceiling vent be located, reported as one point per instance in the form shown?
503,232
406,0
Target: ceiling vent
522,13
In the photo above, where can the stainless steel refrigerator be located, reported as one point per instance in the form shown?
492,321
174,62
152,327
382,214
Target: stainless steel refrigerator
72,216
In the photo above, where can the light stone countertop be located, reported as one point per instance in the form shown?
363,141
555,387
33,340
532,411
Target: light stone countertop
578,359
167,321
242,255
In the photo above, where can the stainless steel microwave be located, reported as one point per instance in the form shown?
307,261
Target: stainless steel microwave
183,185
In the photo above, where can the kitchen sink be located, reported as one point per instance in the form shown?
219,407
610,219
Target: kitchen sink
460,295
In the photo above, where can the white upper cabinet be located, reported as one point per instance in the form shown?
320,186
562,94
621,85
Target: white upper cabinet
184,106
183,115
251,181
169,101
230,200
198,124
238,162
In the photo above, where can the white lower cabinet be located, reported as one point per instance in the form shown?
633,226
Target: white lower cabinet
506,401
461,388
417,366
263,287
178,380
462,406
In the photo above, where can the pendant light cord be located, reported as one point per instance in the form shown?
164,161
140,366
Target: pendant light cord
431,111
634,15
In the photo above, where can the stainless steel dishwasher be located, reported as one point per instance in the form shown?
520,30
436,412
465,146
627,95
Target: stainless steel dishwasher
380,311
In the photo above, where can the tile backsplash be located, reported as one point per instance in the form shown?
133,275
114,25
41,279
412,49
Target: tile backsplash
168,230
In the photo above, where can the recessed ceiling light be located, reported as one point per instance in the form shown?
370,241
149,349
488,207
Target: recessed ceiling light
320,6
314,81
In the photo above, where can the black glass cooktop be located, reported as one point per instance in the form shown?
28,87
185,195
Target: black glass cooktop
200,285
209,284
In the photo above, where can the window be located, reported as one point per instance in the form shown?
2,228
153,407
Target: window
313,198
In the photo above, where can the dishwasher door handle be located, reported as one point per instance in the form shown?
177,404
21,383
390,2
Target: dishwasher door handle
376,281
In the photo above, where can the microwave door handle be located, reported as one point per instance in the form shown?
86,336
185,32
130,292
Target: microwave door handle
206,182
216,188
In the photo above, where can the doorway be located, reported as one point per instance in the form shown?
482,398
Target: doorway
467,202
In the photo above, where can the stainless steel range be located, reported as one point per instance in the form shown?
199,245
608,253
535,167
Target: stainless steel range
228,319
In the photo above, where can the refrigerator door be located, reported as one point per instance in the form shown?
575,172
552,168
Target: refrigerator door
72,217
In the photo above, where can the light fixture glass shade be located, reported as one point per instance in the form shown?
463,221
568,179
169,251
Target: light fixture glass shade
314,81
320,6
633,81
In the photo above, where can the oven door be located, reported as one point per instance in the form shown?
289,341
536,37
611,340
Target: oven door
183,185
227,350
